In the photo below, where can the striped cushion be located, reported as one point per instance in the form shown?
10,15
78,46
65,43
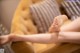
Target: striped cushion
43,14
72,8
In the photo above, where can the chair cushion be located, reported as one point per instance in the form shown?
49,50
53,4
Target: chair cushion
43,14
72,8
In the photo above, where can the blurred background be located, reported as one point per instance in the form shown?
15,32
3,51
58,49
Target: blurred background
7,9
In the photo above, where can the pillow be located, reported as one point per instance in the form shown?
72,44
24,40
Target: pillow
43,14
72,7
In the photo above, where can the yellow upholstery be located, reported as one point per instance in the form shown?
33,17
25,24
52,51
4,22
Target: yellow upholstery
23,24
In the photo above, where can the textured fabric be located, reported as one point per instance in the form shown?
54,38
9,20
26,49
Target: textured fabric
72,8
43,14
22,24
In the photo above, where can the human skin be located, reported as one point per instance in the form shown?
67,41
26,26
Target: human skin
58,33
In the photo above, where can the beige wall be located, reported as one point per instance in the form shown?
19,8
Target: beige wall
0,11
7,9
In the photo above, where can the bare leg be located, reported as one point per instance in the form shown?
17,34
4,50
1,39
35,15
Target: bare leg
69,30
73,26
64,24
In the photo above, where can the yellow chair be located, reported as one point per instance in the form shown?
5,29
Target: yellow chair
23,24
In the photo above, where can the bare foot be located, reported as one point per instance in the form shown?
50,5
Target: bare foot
4,39
57,23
